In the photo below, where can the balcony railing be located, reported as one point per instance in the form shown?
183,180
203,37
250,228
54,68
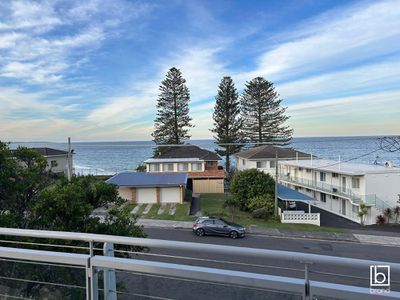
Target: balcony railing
190,278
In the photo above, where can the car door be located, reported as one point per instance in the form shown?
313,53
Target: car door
209,227
221,227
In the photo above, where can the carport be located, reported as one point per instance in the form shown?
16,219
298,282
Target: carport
287,194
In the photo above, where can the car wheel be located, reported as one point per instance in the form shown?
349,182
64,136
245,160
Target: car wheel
200,232
233,234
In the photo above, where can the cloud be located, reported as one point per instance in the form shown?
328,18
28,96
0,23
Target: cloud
43,42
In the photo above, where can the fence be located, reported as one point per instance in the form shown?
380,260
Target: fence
260,286
300,217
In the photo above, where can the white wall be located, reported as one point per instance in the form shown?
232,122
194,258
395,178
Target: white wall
62,163
385,186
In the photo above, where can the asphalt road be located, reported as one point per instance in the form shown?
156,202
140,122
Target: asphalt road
178,289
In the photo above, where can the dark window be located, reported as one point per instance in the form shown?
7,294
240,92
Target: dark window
323,197
335,175
322,176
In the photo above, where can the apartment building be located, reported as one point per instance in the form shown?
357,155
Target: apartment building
341,187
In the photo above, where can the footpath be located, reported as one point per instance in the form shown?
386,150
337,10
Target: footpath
366,237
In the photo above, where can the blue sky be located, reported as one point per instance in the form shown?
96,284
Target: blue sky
91,69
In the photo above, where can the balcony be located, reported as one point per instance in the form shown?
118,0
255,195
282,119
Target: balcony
329,189
100,275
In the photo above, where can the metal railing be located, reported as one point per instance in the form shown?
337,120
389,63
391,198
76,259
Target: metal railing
355,198
302,287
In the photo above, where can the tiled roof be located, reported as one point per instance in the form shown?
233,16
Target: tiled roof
188,151
144,179
269,151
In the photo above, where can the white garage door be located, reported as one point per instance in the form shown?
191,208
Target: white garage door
170,195
146,195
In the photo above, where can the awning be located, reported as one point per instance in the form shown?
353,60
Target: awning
288,194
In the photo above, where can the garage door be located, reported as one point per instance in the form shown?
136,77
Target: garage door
170,195
146,195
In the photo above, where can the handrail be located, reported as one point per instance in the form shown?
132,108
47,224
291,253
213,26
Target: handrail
197,247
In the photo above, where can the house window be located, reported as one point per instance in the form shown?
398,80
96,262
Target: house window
243,162
355,183
272,164
335,175
322,176
196,167
154,167
308,170
323,197
168,167
261,164
210,163
183,167
335,197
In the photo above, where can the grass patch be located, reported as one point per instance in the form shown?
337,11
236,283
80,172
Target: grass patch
212,204
181,213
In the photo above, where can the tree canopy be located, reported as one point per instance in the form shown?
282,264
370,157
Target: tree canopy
263,116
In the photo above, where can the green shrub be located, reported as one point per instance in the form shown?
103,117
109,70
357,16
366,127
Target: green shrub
261,213
258,202
251,183
380,220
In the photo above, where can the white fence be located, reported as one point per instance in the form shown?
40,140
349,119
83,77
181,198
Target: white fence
300,217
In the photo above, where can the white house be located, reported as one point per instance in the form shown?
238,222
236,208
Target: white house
57,160
341,187
264,158
141,187
200,165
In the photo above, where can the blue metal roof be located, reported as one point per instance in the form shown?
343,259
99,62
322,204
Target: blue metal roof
143,179
288,194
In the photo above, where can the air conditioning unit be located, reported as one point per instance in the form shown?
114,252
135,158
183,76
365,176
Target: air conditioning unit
334,190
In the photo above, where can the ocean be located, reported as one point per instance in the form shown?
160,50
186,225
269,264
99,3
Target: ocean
109,157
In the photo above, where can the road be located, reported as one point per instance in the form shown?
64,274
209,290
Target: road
177,289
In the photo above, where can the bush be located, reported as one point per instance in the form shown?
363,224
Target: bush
258,202
261,213
251,183
380,220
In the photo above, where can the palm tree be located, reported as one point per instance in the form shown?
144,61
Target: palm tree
388,214
396,212
362,213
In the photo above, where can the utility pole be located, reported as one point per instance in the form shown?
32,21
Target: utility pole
276,183
69,170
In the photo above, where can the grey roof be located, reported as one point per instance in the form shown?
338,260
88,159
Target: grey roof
143,179
269,152
48,151
188,151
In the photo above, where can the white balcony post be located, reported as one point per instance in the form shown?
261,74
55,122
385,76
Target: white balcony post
110,286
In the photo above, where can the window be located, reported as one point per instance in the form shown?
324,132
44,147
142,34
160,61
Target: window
300,169
335,175
243,162
261,164
272,164
154,167
355,182
168,167
308,170
335,197
210,163
323,197
196,167
355,208
322,176
183,167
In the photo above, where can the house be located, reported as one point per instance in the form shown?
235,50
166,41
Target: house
264,158
57,160
340,187
141,187
201,166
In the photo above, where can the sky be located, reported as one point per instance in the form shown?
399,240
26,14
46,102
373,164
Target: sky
91,69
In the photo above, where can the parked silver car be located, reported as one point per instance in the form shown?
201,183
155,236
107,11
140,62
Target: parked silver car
217,226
